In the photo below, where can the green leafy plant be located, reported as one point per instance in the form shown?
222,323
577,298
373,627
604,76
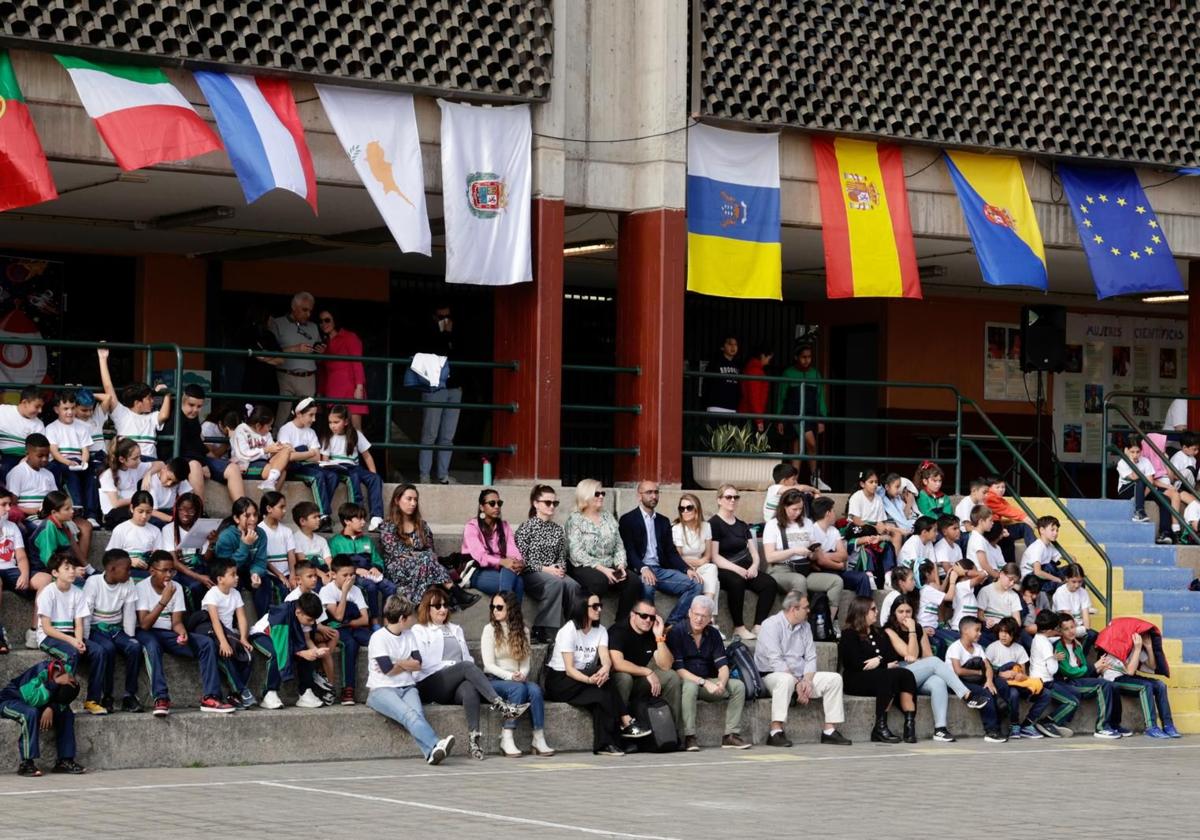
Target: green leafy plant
729,437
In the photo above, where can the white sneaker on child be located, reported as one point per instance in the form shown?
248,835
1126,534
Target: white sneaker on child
822,486
376,521
31,642
308,700
267,485
270,700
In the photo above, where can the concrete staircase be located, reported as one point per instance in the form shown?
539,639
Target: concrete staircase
1149,580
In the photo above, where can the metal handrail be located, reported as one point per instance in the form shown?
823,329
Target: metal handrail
1163,500
1045,488
1162,456
972,445
802,418
1104,427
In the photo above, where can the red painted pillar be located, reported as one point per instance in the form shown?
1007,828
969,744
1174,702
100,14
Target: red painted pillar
651,280
529,330
1193,345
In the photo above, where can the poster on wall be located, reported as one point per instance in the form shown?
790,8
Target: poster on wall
1106,354
1002,376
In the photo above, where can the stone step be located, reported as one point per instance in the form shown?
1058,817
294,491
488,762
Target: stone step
1153,578
1137,554
194,738
1183,601
1139,533
1100,509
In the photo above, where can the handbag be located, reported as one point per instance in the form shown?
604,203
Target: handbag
799,565
742,558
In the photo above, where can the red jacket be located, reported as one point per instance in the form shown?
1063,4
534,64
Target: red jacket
1003,512
755,394
1117,640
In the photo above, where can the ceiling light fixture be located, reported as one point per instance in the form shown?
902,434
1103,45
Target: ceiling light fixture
200,216
594,246
1165,299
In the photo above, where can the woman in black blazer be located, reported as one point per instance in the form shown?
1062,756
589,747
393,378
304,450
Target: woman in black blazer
870,668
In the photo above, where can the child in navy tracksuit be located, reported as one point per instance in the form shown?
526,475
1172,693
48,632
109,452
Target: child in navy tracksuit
112,605
290,653
354,542
38,699
347,610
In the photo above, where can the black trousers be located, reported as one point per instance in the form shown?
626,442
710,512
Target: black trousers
461,684
602,701
734,586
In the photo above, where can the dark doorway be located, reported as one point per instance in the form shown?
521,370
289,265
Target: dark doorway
589,338
853,354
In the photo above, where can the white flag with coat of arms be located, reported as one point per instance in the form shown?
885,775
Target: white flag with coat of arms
378,130
486,193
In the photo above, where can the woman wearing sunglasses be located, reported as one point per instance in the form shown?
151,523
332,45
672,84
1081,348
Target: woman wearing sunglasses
507,656
738,565
579,672
543,545
489,541
448,675
594,545
694,542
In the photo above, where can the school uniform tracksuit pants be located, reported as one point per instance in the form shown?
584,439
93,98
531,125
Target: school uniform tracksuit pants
358,478
322,481
57,649
353,639
1108,705
81,485
201,648
1012,695
1150,694
28,718
103,645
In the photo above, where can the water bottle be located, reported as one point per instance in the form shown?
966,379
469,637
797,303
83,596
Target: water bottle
487,472
821,628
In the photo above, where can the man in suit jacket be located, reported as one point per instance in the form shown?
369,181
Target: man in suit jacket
651,553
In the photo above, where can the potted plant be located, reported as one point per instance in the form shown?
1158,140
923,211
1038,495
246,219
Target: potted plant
711,471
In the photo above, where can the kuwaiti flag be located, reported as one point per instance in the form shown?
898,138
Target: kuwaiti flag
733,213
486,193
378,130
262,133
143,119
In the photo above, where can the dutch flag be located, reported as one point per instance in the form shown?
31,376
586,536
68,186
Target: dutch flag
261,128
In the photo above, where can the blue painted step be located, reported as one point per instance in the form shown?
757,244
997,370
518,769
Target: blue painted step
1121,532
1178,624
1178,601
1191,648
1153,578
1139,554
1100,509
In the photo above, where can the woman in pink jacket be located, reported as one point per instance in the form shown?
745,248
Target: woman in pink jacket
488,540
342,380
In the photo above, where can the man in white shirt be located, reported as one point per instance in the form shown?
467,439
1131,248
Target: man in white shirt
786,654
296,333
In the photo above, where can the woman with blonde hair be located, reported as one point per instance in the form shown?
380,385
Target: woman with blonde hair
693,539
595,549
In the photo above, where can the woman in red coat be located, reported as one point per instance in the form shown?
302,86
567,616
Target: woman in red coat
755,393
342,380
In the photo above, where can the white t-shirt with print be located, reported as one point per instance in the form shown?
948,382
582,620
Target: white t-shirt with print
798,537
10,541
314,548
997,605
138,540
584,647
335,448
30,485
331,595
964,602
927,609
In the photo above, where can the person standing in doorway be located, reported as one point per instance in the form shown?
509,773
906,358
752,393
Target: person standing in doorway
807,399
440,420
342,380
755,393
725,394
296,333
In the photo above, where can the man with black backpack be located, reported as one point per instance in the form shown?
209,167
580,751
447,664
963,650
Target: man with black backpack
787,656
641,667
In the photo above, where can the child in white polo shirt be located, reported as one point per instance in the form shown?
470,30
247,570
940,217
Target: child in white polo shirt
17,422
1072,598
1041,557
131,414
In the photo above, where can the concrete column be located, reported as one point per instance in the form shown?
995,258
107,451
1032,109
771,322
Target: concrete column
651,280
1193,348
529,330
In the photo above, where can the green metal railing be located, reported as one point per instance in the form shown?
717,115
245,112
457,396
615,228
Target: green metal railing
1163,500
586,408
803,419
1106,595
1105,428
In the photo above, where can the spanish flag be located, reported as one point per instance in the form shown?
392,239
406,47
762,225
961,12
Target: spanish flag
869,249
999,215
733,213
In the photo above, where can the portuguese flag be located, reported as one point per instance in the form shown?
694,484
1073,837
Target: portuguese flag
24,174
140,115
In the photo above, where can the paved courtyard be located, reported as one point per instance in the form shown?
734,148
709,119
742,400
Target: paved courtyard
1076,788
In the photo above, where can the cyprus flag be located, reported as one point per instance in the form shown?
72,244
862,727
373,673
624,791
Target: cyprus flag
379,133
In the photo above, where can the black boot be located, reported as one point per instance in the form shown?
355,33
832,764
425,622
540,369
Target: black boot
881,734
462,598
910,727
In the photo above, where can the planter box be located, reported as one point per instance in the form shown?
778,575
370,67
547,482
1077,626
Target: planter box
711,471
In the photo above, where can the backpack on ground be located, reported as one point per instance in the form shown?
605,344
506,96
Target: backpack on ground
741,666
656,715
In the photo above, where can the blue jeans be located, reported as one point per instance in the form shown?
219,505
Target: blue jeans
491,581
403,705
672,582
937,679
439,422
102,648
197,647
522,692
860,582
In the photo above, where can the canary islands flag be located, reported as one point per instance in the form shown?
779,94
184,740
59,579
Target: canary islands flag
733,213
1126,248
999,214
869,249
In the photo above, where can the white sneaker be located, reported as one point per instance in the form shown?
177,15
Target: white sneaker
376,521
442,749
822,486
92,521
307,700
270,700
266,486
31,642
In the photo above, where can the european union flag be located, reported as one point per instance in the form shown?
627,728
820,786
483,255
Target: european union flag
1126,249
